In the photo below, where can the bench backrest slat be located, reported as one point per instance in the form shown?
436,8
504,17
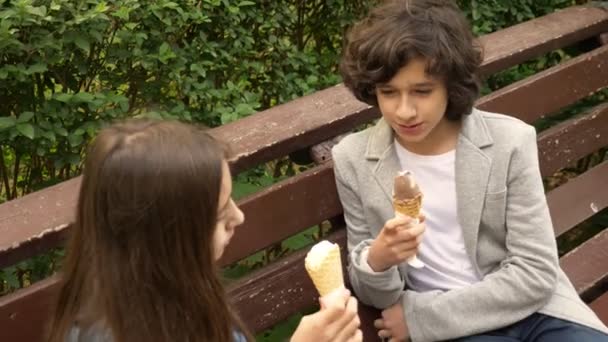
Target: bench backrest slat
36,222
283,210
579,199
586,265
278,291
565,143
521,42
24,314
553,89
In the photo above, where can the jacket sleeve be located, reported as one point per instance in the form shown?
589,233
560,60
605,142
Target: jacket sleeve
378,289
525,280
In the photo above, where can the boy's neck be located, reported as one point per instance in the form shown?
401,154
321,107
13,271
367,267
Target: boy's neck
442,139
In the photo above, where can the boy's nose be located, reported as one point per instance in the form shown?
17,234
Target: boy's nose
406,110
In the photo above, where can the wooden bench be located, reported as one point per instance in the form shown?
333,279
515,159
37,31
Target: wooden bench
39,221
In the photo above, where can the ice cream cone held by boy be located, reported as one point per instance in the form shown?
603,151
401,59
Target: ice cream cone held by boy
407,202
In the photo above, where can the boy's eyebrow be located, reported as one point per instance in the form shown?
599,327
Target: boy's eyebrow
419,84
424,84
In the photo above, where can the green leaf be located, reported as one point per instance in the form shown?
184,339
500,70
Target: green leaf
75,140
50,135
40,151
82,43
39,11
36,68
25,117
246,3
63,97
61,131
73,159
7,122
83,97
26,129
10,276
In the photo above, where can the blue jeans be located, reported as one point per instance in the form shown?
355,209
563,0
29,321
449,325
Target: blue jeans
540,328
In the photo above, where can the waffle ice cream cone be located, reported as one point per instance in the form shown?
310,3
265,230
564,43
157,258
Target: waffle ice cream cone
407,201
408,207
324,266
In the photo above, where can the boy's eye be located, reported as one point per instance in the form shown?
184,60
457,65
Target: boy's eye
423,91
386,91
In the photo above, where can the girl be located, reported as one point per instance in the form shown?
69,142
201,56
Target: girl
154,215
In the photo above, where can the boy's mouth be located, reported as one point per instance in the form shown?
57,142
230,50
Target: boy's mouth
410,129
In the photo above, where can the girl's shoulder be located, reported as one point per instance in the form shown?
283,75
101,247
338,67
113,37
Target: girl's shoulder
94,333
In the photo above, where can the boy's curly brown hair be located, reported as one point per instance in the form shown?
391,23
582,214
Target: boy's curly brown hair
398,31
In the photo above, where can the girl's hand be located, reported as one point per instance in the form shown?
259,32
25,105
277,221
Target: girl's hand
331,323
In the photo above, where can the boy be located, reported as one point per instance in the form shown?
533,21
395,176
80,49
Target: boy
491,266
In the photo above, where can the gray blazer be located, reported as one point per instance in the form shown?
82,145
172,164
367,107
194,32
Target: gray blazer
506,225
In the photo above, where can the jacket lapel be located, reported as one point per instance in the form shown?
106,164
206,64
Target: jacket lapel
473,169
381,151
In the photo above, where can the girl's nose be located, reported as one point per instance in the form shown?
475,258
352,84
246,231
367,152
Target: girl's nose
239,216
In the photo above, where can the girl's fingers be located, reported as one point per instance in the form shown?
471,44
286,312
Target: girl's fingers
358,337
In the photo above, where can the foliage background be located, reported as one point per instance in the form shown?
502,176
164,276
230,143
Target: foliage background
68,67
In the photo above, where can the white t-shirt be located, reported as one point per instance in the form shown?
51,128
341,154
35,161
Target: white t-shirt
447,264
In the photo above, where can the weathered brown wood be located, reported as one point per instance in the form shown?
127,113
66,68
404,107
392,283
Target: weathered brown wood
24,314
603,38
293,126
321,153
579,199
553,89
586,265
35,222
571,140
284,209
600,306
533,38
279,290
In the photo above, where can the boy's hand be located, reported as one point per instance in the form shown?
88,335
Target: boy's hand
397,242
392,325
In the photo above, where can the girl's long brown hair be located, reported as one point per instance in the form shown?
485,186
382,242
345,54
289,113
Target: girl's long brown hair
140,259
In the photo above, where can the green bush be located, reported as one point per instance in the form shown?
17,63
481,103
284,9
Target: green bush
68,67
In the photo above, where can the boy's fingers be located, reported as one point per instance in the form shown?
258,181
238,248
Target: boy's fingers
384,333
379,324
398,221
